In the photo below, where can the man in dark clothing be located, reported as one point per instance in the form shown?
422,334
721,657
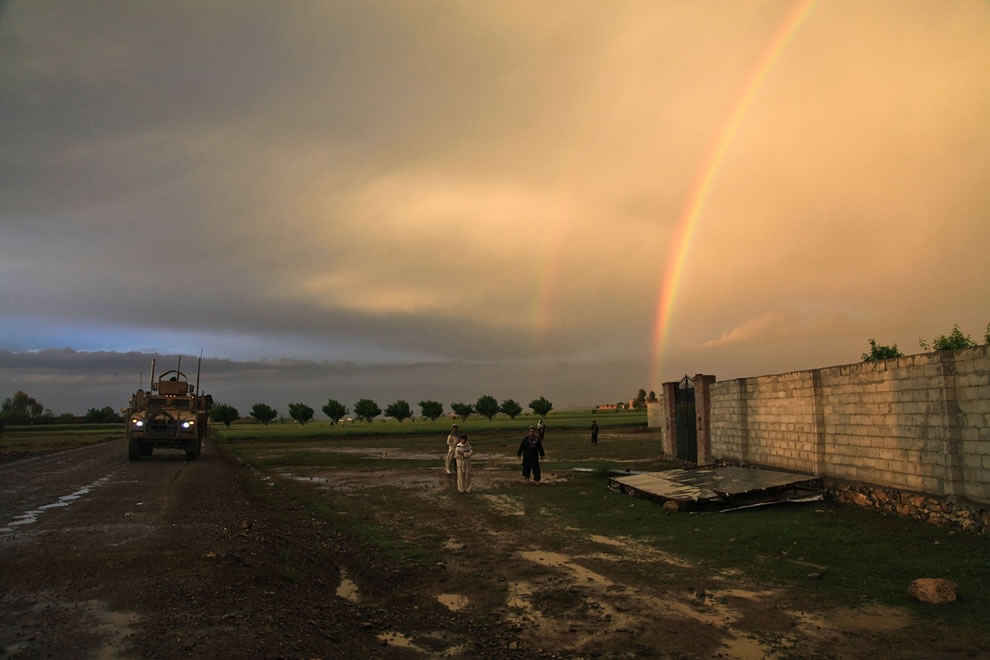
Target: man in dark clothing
594,431
531,450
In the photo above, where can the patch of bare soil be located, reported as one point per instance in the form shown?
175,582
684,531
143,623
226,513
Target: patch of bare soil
428,481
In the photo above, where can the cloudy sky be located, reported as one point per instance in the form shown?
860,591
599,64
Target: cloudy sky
443,199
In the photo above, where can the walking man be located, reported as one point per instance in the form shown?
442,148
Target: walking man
594,431
531,450
541,429
463,454
452,439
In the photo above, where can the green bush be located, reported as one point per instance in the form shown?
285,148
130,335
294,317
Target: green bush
881,352
954,341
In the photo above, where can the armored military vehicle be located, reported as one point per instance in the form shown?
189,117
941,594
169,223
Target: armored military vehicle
172,414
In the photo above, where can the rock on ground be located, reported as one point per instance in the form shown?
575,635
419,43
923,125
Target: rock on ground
933,590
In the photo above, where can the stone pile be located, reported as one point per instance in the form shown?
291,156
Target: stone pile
945,511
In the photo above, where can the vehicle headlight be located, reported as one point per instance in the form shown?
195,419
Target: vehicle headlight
137,422
188,424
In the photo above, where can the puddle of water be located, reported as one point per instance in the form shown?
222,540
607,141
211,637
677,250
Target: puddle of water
31,517
347,589
453,602
505,505
311,480
393,638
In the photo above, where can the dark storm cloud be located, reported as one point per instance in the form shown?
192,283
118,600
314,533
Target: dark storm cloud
494,181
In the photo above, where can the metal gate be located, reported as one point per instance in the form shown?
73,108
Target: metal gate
687,429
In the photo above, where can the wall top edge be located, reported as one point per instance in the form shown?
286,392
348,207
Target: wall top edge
907,361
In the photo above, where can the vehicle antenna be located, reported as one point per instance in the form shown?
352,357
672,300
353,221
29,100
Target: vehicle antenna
178,368
151,386
198,366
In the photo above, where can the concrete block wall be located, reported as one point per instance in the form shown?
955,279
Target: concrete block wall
767,420
654,414
919,423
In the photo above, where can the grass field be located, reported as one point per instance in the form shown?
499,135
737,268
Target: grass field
387,489
21,441
578,419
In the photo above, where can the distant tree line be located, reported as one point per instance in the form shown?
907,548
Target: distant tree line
22,408
367,410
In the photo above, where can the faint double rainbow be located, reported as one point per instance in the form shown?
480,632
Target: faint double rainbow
703,183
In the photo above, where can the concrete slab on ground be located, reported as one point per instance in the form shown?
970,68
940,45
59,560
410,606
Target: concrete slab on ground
708,484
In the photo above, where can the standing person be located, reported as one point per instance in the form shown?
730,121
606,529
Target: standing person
541,429
594,431
452,439
463,454
531,450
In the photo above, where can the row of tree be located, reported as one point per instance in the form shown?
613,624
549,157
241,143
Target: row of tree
366,409
22,408
954,341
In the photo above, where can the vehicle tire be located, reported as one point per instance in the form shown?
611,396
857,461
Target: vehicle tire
193,449
133,448
147,450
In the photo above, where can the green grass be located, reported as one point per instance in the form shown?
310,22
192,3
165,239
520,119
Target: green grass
619,447
580,419
60,429
15,442
868,556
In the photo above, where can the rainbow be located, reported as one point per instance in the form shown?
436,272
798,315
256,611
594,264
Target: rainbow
703,183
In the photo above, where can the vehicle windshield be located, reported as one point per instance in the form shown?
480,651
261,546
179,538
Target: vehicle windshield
180,404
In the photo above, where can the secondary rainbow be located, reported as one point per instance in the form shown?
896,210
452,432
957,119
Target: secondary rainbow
701,189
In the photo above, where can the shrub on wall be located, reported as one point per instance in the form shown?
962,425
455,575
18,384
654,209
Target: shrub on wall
881,352
954,341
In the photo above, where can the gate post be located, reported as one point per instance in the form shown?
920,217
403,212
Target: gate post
669,418
703,410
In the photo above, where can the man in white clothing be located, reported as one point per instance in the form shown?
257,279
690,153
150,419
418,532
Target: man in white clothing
463,453
452,439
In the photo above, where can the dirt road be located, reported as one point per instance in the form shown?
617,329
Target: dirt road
169,558
101,557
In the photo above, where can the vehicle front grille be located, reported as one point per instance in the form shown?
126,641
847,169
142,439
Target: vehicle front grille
163,426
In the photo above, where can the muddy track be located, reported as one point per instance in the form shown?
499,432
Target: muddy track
101,557
168,558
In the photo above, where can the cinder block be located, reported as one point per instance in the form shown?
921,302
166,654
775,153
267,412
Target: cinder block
972,461
974,475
